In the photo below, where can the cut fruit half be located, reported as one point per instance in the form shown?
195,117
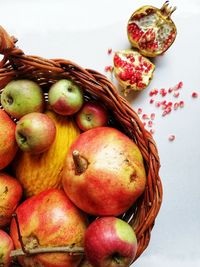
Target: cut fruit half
132,70
151,30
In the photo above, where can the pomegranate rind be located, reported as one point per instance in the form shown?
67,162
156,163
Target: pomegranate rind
133,71
149,38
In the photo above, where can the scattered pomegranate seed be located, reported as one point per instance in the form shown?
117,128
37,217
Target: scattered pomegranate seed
158,104
108,68
181,104
164,113
176,105
153,92
139,111
150,123
163,92
171,137
152,131
109,51
176,94
194,94
153,116
151,101
170,90
145,117
144,123
180,85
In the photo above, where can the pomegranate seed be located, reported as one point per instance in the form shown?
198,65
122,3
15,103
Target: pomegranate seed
158,104
108,68
150,123
109,51
181,104
164,113
144,123
176,105
176,94
194,94
153,92
170,90
152,131
145,117
163,92
151,101
139,111
153,116
171,137
180,85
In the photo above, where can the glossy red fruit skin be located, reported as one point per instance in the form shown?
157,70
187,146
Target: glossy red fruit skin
6,246
114,178
91,115
8,145
49,219
103,243
10,195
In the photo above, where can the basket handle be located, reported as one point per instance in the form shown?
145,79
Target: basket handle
7,46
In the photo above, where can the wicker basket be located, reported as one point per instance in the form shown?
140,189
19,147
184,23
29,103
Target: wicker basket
15,64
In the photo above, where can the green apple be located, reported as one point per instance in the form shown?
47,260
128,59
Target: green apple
65,97
35,132
21,97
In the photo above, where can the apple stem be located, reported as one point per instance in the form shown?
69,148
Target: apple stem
80,162
66,249
25,251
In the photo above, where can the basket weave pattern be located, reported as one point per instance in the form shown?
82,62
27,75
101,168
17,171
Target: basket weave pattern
15,65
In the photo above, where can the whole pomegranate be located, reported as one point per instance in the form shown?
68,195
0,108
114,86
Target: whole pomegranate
49,219
6,246
8,145
104,172
151,29
10,195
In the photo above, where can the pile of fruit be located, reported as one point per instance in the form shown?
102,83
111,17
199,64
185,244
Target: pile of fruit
67,175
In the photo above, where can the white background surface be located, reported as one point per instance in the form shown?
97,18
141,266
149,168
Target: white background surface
82,31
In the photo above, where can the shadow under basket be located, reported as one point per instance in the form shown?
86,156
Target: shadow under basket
16,65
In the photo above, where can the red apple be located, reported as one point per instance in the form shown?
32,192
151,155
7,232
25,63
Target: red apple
8,145
65,97
6,246
49,219
104,172
10,195
35,132
109,241
91,115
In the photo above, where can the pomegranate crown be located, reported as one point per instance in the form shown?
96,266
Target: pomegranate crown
167,10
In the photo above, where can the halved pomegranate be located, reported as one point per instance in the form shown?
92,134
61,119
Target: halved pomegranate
132,70
151,30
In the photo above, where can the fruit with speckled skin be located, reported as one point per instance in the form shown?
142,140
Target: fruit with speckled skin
109,176
35,132
91,115
65,97
8,145
10,195
6,246
49,219
110,242
21,97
